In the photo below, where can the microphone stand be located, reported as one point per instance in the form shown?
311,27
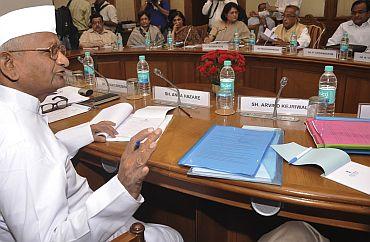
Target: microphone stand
274,115
80,59
283,83
158,73
103,98
187,35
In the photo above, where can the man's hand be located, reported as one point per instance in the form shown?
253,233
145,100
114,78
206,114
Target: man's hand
133,167
103,127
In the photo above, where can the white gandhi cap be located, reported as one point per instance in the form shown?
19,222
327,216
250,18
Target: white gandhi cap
22,17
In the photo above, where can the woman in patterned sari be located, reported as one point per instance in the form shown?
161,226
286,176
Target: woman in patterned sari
181,32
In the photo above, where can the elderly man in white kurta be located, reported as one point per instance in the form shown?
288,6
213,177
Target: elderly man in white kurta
42,198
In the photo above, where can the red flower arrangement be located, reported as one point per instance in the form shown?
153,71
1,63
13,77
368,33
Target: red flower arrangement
213,61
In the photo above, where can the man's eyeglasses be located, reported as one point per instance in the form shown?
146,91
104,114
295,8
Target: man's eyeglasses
359,12
289,16
53,50
49,107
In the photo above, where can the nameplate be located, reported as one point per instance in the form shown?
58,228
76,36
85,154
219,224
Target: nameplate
116,86
191,97
363,110
218,46
287,106
330,54
268,49
363,57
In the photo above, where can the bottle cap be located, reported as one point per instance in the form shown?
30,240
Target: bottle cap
87,53
329,68
142,57
227,63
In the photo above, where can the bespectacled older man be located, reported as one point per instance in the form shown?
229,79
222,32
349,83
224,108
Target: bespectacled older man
289,26
358,28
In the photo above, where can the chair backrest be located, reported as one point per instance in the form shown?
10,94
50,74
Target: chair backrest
316,33
135,234
315,28
202,31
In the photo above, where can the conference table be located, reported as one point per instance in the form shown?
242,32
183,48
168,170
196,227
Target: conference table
207,209
264,71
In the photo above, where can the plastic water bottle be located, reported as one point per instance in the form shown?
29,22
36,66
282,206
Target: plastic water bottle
236,40
227,77
327,89
143,76
169,40
252,38
344,44
89,73
293,43
147,41
119,41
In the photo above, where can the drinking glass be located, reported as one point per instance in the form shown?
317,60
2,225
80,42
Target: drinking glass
316,106
133,89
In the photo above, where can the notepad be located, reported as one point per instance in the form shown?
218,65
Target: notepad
237,154
128,125
344,133
269,172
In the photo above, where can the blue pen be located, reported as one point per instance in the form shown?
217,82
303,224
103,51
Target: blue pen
300,155
137,145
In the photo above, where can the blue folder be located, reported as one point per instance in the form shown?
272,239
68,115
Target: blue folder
246,157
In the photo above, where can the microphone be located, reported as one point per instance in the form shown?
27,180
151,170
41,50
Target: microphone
283,83
102,98
158,73
272,32
80,59
187,35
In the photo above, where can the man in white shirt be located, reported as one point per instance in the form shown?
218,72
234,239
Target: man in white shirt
262,18
42,198
109,13
281,5
358,28
213,9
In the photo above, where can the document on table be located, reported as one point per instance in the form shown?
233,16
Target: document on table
127,124
67,112
352,175
69,92
230,149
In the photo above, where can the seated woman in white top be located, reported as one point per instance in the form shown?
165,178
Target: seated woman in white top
138,35
224,30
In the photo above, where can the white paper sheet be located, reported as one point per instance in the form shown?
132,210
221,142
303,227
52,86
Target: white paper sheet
353,175
67,112
69,92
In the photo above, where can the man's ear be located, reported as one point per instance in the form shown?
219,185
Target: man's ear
7,67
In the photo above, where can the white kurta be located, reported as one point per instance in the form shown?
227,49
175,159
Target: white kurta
42,198
358,35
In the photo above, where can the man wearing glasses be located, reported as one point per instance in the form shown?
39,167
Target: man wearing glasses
289,26
42,198
358,28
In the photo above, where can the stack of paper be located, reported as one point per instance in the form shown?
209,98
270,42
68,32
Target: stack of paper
237,154
349,134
